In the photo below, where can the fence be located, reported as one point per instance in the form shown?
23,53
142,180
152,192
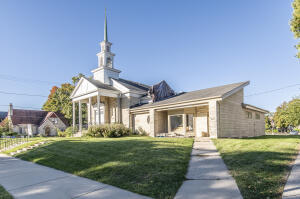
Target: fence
7,142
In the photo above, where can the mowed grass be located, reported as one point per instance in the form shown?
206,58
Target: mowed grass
4,194
259,165
150,166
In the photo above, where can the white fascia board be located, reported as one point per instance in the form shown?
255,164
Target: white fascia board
86,96
108,93
119,86
76,87
235,90
131,94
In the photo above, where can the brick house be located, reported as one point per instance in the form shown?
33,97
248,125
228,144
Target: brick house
158,110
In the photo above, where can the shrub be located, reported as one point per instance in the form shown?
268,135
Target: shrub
67,133
108,130
142,132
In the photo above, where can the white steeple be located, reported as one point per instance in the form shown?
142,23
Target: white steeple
105,69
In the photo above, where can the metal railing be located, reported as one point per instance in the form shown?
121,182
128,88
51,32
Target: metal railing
10,141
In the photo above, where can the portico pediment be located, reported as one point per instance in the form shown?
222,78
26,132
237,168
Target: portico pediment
83,87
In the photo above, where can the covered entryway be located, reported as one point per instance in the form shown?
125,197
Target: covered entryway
47,131
188,122
202,124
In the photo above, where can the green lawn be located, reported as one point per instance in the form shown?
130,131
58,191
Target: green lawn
150,166
4,194
259,165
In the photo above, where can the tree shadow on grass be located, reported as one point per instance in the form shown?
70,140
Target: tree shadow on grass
153,167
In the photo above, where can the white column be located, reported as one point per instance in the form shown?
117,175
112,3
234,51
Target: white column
184,123
80,116
89,112
74,116
115,113
169,123
119,109
98,109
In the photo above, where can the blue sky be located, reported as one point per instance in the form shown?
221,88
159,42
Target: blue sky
190,44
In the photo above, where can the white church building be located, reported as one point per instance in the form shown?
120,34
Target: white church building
158,110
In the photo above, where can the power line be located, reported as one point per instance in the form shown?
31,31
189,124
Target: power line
26,107
21,79
270,91
23,94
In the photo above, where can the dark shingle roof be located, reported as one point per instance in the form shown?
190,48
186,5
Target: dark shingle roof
21,116
197,95
131,85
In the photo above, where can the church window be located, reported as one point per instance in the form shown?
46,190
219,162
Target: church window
108,61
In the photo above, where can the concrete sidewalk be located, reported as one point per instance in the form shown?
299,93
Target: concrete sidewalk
26,180
207,175
292,187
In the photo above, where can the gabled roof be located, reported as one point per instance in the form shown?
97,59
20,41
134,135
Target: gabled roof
133,86
55,114
209,93
99,84
36,117
21,116
95,84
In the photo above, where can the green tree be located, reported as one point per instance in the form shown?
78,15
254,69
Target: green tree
295,23
268,124
76,79
288,114
59,101
293,110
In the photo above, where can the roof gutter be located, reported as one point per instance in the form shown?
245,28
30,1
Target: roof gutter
218,98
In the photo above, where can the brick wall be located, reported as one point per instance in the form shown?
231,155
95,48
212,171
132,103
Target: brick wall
233,121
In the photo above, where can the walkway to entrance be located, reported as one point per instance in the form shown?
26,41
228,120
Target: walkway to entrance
292,187
27,180
207,175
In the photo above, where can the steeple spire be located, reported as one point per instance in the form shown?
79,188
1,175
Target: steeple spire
105,28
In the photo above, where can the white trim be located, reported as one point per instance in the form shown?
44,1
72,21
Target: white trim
253,108
76,87
119,86
104,67
235,90
183,103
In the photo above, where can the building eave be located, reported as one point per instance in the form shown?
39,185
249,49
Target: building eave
254,108
178,104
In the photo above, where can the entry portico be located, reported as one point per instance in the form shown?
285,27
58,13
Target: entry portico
102,102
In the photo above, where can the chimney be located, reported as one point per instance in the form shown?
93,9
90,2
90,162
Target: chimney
10,110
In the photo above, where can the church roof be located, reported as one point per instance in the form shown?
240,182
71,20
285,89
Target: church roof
208,93
134,86
99,84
